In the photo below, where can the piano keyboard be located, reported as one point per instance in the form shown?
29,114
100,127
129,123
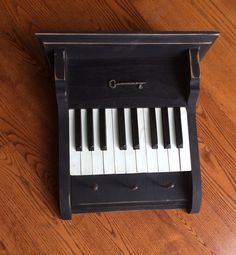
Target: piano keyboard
125,141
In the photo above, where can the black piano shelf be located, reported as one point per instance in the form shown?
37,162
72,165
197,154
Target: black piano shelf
97,71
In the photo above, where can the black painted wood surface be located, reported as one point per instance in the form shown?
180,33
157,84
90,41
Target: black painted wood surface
168,64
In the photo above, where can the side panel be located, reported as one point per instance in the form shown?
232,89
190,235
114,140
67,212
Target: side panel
191,109
63,132
195,181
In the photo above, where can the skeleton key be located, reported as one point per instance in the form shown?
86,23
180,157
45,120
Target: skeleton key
113,84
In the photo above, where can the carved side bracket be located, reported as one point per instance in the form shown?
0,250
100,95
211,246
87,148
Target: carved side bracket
194,66
193,95
60,73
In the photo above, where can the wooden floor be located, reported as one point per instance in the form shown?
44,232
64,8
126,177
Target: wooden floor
29,217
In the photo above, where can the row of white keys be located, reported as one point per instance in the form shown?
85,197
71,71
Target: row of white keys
97,154
130,156
152,161
173,152
115,161
185,157
74,155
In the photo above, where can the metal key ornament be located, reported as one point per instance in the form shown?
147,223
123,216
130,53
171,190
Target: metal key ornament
113,84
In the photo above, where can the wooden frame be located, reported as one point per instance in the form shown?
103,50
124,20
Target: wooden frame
186,48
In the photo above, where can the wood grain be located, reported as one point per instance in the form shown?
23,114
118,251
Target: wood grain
29,217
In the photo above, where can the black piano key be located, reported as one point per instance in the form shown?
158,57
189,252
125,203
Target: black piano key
178,128
121,129
102,127
78,134
134,123
153,127
90,135
165,127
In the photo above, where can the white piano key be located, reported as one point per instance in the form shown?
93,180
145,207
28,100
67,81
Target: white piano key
74,155
119,155
108,155
141,158
173,152
97,155
152,165
129,152
185,157
86,155
162,153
